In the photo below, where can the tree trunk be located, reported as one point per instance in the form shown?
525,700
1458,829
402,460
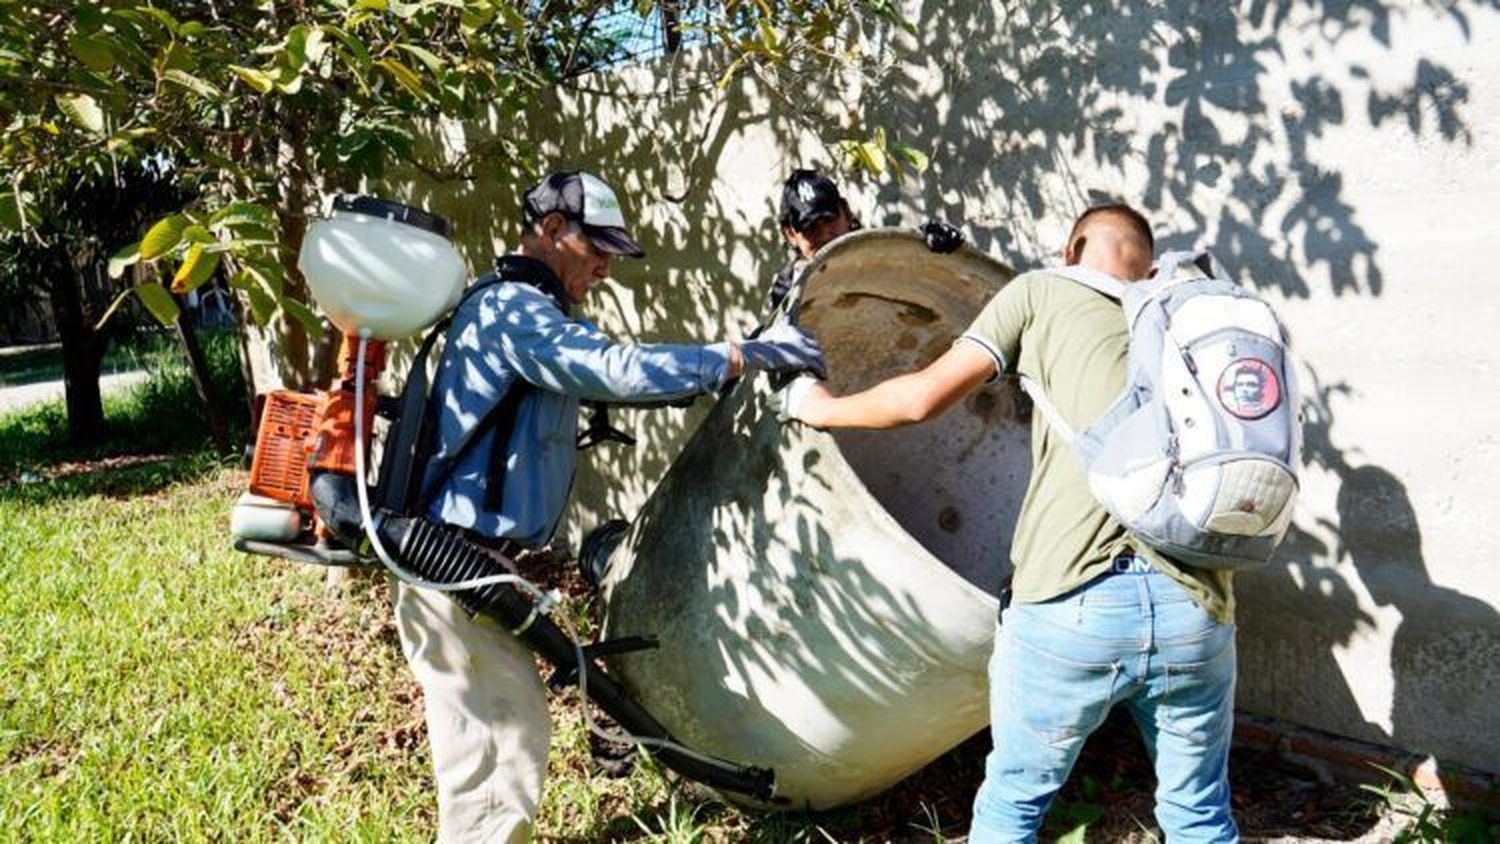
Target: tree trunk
198,365
304,363
83,352
242,323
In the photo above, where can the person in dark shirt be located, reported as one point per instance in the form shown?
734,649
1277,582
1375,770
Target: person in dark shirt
814,214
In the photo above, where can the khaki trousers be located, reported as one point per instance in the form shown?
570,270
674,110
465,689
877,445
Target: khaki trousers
486,717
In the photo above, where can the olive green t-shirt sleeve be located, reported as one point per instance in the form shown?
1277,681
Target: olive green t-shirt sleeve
998,328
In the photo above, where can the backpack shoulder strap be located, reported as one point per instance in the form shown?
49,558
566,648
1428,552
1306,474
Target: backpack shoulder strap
1188,265
1049,410
1092,279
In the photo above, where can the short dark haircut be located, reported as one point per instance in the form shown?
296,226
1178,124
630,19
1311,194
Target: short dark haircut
1117,209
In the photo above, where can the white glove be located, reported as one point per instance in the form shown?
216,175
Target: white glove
789,409
783,348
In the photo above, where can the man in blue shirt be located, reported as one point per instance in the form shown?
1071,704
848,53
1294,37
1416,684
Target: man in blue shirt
514,350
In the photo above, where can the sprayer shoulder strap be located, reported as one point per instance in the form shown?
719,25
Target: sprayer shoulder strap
501,420
428,422
409,442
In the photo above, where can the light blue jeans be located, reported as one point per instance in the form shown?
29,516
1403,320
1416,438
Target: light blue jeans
1132,636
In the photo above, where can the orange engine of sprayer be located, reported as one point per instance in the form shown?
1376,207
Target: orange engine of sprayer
301,433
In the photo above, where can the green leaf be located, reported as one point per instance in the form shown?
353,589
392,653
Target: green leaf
265,270
262,306
90,18
124,258
167,22
1080,816
425,56
863,155
159,302
350,144
83,111
355,46
514,19
174,55
163,237
769,38
197,85
123,140
261,81
403,10
198,234
289,82
476,17
296,46
304,315
10,211
402,74
242,213
93,52
913,156
196,268
247,236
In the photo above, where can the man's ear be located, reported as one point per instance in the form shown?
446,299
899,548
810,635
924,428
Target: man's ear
553,225
1073,252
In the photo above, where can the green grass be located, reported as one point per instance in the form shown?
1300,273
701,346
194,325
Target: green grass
161,685
45,363
160,414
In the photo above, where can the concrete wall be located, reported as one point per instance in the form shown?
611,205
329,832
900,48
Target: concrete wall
1342,157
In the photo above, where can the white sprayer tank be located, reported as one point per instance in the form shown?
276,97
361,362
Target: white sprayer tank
380,268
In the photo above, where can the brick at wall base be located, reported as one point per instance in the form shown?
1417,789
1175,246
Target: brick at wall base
1334,757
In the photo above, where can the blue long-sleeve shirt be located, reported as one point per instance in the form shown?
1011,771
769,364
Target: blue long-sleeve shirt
515,330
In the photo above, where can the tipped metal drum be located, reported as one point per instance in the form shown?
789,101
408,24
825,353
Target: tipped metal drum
826,603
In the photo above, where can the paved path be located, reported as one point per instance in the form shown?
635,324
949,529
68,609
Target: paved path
15,398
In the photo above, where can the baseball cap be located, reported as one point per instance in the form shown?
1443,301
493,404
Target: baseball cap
808,196
587,200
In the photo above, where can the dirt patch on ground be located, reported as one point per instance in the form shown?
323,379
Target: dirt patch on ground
1110,795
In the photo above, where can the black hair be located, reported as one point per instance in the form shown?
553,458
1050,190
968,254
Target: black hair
1120,209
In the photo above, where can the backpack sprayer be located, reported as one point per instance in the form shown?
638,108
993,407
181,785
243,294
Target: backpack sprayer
383,271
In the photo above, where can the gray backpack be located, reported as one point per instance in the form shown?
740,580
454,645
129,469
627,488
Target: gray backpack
1197,457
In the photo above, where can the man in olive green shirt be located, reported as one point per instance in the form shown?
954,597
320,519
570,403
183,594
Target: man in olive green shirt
1096,618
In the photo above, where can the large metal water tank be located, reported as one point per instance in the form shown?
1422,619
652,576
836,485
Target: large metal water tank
825,602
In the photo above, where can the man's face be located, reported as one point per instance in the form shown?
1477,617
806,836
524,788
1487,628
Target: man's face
818,233
1247,389
578,263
